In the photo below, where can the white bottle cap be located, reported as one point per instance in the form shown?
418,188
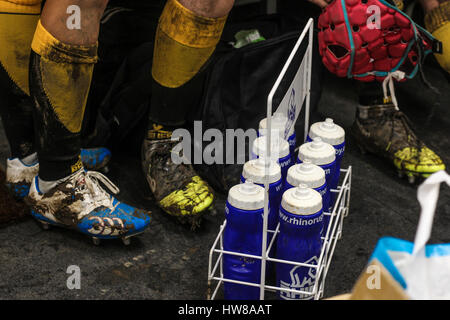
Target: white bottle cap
307,173
279,122
255,170
328,131
246,196
317,151
279,147
301,200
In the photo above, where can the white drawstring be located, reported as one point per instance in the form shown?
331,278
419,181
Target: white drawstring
397,75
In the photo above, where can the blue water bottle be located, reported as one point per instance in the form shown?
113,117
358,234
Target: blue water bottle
243,233
333,134
292,140
321,154
313,177
299,240
279,122
255,170
279,150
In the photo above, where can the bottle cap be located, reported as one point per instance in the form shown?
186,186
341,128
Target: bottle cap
246,196
301,200
306,172
328,131
255,170
279,147
319,152
279,122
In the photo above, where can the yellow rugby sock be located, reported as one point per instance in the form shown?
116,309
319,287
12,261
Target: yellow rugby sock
66,74
20,6
18,20
60,76
437,22
184,42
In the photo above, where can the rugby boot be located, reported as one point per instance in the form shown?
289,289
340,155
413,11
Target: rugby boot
96,158
79,202
177,189
19,174
386,131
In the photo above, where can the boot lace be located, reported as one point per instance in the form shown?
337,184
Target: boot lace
93,194
399,118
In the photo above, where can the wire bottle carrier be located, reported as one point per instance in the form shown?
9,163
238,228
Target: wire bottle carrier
333,234
299,91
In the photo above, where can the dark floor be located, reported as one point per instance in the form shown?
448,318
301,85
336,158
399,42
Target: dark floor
170,262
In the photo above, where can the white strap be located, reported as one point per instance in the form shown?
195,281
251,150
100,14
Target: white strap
398,75
428,194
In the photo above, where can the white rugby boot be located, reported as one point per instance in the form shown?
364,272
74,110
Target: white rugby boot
80,203
19,176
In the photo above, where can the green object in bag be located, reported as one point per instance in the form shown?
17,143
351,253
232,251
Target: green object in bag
245,37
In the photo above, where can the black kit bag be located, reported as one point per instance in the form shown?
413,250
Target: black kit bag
230,92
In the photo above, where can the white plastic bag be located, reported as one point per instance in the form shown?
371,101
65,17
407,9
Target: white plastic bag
422,270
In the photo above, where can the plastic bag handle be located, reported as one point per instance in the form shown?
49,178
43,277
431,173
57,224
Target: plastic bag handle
428,194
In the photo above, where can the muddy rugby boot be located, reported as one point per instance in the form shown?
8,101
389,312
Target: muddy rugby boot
385,131
178,190
10,209
19,175
96,159
80,203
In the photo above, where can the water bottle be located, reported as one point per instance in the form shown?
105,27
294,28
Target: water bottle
299,240
255,170
243,233
279,122
292,140
333,134
279,150
321,154
313,177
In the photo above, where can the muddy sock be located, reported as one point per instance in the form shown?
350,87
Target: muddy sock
184,42
60,77
18,20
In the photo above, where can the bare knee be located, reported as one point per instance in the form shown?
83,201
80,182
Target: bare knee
73,21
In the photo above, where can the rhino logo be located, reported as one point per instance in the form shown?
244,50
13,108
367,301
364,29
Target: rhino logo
292,107
305,284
